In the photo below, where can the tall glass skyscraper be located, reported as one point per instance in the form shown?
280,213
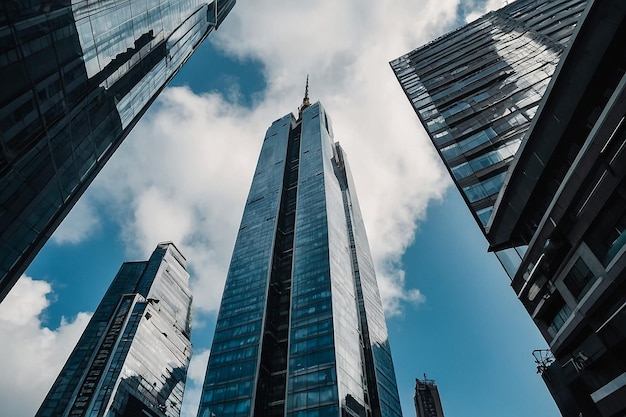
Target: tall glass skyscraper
133,356
77,76
477,88
301,329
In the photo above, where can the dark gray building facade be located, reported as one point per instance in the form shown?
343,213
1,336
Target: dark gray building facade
560,202
77,76
301,329
132,358
565,198
426,399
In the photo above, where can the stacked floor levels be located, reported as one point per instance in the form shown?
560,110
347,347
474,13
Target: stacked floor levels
544,178
76,77
301,329
132,358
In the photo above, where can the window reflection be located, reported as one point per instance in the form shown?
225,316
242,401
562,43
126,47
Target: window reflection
476,90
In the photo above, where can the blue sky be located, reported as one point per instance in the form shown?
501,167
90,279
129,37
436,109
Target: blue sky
184,172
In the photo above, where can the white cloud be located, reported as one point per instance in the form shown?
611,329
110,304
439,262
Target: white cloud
489,6
195,379
32,355
79,225
183,176
185,170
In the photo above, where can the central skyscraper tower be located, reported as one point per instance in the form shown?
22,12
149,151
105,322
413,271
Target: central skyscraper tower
301,329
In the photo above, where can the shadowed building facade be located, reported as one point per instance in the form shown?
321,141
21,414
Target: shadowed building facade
301,329
559,204
132,358
77,76
427,401
565,198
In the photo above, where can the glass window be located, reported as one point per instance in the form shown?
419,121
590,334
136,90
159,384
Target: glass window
435,124
441,137
559,318
493,157
480,97
428,111
456,108
462,171
616,238
484,215
451,151
607,234
477,139
510,260
484,189
579,279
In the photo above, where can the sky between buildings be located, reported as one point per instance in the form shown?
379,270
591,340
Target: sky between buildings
183,175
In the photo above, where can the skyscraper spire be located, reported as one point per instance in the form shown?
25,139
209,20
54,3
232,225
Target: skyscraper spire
282,337
306,91
305,101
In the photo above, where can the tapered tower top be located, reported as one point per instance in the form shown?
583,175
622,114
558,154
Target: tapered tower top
305,101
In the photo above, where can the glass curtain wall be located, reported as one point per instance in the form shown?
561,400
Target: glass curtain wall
82,74
477,88
301,329
132,358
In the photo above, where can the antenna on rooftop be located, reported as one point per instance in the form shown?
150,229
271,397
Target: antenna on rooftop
305,101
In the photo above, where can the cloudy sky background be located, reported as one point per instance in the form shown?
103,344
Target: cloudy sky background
184,172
